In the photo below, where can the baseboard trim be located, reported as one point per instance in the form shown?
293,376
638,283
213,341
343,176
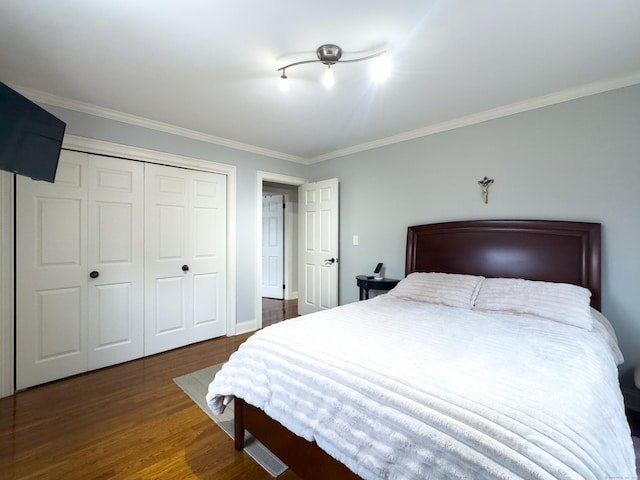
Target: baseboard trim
246,327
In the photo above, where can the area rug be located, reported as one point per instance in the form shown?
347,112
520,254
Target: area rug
195,385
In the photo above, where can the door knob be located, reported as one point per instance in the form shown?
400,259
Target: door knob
94,274
185,268
330,260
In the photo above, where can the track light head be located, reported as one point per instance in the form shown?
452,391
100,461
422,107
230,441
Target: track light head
328,79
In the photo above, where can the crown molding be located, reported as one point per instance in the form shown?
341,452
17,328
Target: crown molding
110,149
82,107
505,111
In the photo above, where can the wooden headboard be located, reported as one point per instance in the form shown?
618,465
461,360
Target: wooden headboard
553,251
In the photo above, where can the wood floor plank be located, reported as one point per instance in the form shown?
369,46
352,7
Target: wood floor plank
129,421
274,310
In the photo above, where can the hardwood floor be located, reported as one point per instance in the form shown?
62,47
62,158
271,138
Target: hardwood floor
129,421
274,310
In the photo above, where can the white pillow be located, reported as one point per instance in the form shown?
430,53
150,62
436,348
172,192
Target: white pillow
450,289
562,302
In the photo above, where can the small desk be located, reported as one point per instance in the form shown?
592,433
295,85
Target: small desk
365,283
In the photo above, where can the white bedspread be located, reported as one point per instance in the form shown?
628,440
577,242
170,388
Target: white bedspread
399,389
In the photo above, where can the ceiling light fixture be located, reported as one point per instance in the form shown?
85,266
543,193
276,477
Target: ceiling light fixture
329,55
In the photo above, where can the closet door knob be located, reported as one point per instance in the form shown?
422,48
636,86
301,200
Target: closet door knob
94,274
185,268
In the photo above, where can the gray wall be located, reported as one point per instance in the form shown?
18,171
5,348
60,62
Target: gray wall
578,160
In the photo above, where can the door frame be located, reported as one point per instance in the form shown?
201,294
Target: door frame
99,147
7,298
265,177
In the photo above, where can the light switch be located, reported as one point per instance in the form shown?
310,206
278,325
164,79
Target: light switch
356,240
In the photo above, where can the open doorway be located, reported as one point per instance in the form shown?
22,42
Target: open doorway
279,304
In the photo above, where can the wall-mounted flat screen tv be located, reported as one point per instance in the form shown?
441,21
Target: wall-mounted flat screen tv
30,137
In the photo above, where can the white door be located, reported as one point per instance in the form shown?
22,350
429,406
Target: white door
51,274
185,252
319,244
273,246
115,261
208,247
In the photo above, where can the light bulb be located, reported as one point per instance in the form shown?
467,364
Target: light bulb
283,83
327,78
380,68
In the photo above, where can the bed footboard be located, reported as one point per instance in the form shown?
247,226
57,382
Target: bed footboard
305,458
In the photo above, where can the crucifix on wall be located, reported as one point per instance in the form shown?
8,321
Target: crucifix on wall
484,183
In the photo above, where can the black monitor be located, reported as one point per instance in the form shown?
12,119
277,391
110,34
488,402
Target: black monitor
30,137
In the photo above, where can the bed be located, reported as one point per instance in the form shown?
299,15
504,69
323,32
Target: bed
447,375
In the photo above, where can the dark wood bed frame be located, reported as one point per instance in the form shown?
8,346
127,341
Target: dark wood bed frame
554,251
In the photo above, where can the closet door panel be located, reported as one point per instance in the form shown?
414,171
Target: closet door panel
116,262
208,244
168,239
167,306
51,274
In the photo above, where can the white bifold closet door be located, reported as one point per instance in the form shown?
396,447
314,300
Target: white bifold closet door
185,224
79,268
115,260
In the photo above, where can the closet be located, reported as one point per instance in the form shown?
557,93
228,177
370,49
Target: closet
116,260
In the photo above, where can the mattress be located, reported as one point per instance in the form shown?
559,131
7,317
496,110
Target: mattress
395,388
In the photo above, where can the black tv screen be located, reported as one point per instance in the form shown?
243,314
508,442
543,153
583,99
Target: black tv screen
30,137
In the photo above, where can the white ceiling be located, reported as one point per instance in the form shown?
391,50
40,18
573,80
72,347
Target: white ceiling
210,66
